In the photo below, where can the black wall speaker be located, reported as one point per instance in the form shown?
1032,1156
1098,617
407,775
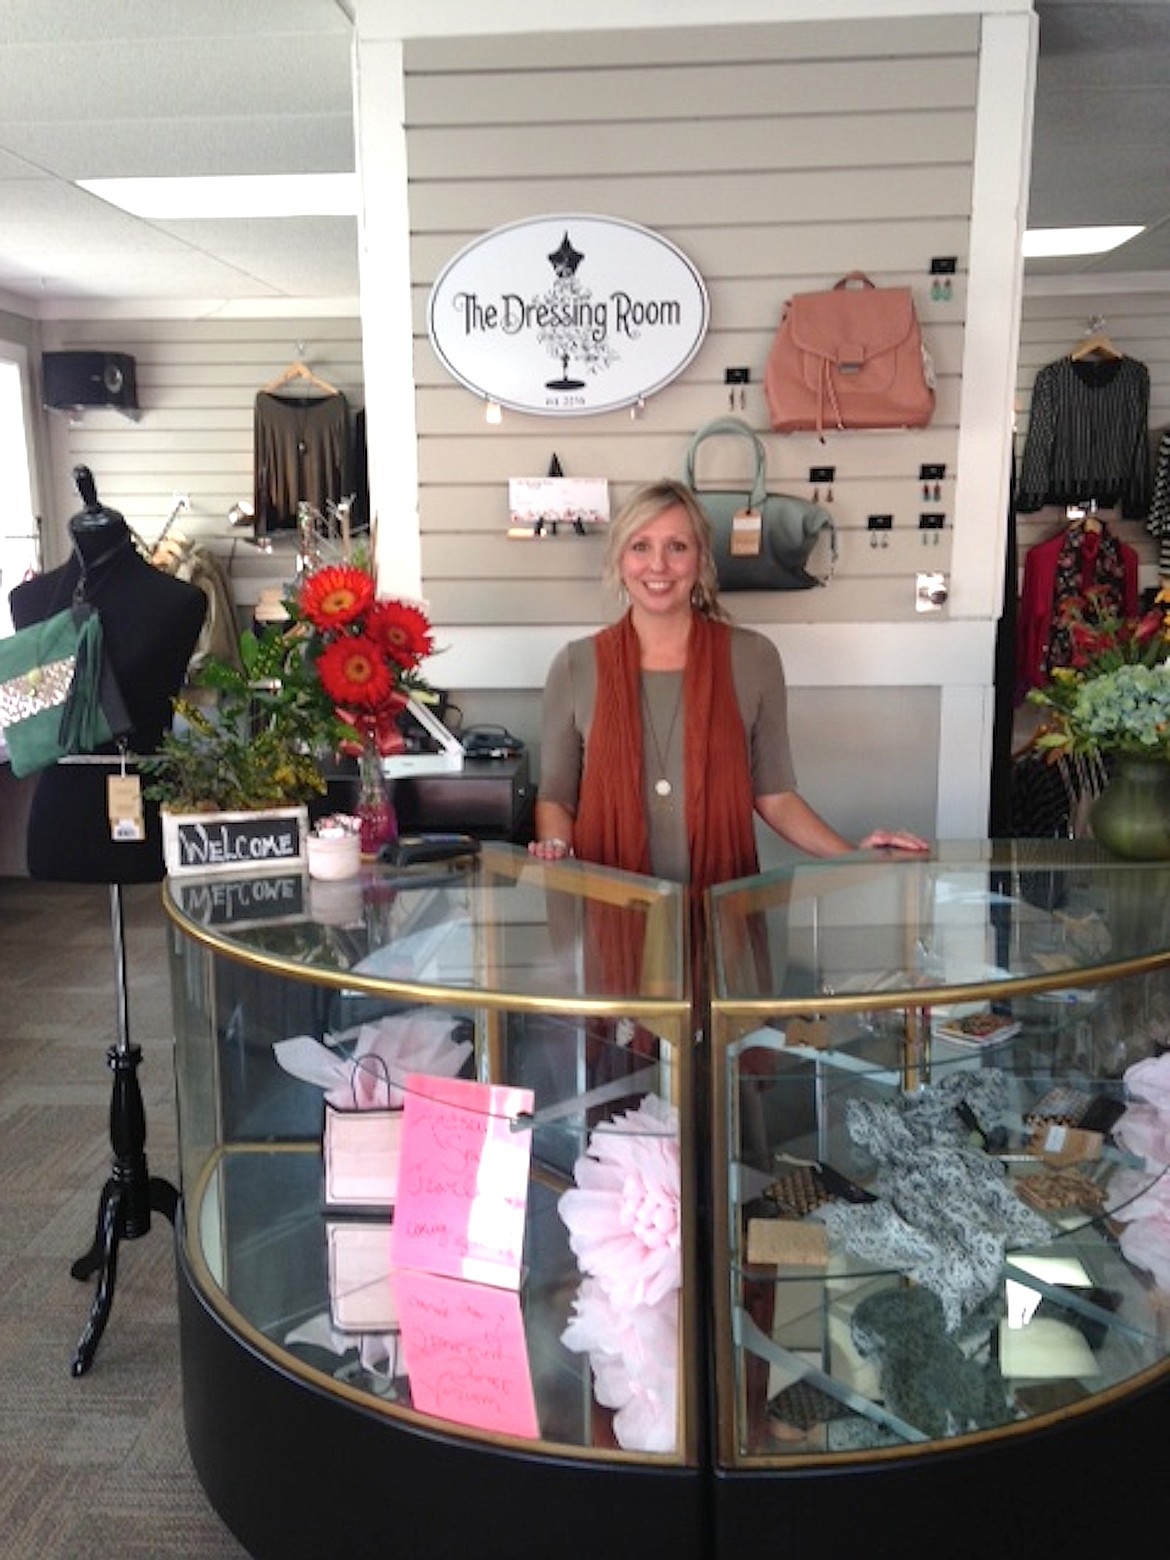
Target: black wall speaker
73,379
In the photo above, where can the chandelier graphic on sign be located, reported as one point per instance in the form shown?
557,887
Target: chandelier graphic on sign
571,336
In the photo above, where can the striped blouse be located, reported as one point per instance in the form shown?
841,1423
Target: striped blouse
1088,437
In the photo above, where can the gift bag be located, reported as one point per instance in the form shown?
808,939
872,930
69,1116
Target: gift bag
851,357
57,695
362,1148
362,1151
760,540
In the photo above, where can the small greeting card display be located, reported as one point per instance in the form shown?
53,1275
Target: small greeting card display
466,1353
463,1180
456,1247
977,1030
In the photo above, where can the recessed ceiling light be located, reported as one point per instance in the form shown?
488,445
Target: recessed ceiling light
1047,243
237,195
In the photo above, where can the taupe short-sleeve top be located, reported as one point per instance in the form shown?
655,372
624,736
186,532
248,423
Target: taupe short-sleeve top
567,714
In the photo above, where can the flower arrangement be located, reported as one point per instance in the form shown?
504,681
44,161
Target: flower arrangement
1114,697
365,651
333,678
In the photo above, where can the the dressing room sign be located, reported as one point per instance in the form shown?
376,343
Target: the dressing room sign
568,315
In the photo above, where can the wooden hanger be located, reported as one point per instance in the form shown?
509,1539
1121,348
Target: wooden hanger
301,371
1096,345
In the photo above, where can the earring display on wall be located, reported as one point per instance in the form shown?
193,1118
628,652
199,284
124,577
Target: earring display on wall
942,270
736,379
879,527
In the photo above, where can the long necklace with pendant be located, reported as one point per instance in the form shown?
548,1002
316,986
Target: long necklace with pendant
662,786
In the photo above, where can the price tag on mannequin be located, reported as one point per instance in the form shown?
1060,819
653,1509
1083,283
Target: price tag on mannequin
124,805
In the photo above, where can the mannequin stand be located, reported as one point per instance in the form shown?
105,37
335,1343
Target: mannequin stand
131,1194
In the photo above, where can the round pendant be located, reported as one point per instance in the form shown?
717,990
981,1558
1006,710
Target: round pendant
662,787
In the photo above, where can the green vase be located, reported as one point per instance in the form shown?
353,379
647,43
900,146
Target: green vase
1131,817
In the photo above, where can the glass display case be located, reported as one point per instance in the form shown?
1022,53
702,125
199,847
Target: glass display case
941,1126
335,1402
895,1228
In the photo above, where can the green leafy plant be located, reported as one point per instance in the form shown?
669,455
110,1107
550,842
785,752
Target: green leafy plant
262,739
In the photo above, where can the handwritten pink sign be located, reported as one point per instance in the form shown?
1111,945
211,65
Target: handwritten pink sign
466,1353
463,1181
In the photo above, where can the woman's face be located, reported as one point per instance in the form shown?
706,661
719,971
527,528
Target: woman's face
660,563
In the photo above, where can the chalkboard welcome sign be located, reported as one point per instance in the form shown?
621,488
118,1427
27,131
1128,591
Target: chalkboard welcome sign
234,841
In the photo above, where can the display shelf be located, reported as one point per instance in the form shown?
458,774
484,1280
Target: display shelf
821,1385
555,979
920,1240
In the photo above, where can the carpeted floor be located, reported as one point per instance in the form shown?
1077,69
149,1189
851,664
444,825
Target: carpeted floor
96,1467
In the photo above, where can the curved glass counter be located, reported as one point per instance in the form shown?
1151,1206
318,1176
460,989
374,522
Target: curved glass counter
556,997
941,1124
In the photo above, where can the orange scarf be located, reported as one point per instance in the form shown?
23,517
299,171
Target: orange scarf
611,814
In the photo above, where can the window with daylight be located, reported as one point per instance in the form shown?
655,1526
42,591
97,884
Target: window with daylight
19,528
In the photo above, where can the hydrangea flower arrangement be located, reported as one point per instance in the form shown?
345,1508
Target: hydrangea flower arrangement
1115,696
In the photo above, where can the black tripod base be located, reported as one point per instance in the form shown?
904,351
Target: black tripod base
102,1256
129,1197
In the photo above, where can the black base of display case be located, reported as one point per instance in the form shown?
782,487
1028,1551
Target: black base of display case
1076,1483
298,1473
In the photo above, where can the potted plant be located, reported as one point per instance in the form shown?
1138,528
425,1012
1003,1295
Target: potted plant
1109,710
333,678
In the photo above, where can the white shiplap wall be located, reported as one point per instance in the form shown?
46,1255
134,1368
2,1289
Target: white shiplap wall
732,143
777,157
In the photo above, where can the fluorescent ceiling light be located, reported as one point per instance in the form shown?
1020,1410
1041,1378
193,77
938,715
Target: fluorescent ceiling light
242,195
1047,243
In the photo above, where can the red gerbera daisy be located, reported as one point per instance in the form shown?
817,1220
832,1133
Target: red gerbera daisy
336,596
402,630
353,670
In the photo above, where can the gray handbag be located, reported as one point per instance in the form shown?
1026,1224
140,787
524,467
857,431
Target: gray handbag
761,541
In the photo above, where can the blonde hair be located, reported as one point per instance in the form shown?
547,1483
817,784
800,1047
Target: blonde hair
646,504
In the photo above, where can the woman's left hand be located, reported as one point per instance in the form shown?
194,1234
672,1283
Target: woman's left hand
893,839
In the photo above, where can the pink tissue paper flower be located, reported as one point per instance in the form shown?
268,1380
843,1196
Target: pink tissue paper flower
1149,1080
623,1220
623,1217
633,1353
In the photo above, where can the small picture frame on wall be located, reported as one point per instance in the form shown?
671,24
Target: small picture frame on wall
557,506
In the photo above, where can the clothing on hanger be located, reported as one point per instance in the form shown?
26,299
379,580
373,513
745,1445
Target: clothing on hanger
1062,569
1158,523
302,453
1088,436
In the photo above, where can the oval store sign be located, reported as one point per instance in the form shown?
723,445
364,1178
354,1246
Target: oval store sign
565,316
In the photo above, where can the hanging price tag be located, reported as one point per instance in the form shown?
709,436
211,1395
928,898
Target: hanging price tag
124,805
746,534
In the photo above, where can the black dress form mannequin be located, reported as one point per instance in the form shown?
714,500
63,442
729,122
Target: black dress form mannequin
150,624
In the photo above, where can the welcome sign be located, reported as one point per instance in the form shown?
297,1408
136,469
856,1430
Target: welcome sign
565,316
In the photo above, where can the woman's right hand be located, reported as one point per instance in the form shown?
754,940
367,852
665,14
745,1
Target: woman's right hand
550,850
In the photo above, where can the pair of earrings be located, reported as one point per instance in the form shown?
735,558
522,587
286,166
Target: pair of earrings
940,289
879,539
731,399
929,493
816,496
